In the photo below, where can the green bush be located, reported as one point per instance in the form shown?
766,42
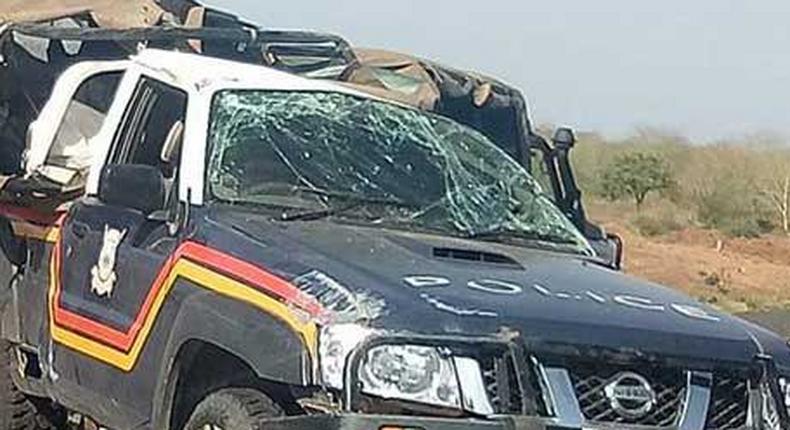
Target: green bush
635,176
733,207
724,186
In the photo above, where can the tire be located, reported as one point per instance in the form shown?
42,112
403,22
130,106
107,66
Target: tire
17,410
233,409
12,248
11,257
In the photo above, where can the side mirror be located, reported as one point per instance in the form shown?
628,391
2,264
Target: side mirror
564,138
133,186
610,250
618,248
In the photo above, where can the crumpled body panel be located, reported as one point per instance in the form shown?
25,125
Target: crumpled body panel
107,13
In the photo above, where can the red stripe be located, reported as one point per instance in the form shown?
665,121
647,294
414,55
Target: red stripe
213,259
251,275
27,214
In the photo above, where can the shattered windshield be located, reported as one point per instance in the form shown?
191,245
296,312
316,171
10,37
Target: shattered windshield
375,162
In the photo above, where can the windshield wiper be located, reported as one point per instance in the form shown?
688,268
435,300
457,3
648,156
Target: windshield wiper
354,202
530,236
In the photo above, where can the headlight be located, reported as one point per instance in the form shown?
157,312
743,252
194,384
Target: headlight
337,342
412,373
784,401
784,390
771,416
420,374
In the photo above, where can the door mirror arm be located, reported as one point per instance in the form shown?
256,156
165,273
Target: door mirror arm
165,217
173,218
176,219
159,216
184,213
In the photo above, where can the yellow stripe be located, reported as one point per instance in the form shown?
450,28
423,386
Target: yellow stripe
32,231
206,278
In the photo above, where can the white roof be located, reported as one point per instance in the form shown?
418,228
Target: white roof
200,71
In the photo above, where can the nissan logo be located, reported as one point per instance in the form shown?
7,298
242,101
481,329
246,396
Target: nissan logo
630,395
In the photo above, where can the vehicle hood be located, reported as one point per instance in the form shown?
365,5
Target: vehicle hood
406,282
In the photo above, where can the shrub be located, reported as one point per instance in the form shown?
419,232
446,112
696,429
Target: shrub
734,208
635,176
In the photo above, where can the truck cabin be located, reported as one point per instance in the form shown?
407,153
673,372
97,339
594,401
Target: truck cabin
36,52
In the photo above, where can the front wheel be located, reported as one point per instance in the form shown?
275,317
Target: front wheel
17,410
233,409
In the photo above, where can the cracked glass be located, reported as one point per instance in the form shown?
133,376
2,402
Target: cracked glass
378,163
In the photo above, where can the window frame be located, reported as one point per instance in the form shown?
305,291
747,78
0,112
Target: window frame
41,133
135,118
69,104
187,185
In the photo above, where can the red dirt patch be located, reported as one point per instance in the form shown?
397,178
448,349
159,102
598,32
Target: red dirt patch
734,274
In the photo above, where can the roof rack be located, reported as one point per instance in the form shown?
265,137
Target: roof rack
295,51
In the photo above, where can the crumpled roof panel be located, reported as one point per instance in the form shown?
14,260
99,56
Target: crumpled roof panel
107,13
377,70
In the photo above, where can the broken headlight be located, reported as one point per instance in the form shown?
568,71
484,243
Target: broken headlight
784,393
771,417
419,374
336,345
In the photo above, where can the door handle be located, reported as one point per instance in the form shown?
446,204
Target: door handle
80,229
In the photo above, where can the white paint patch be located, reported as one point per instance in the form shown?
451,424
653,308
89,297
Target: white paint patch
103,275
425,281
447,307
495,287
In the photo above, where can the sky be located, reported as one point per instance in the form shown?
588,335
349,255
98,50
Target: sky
710,69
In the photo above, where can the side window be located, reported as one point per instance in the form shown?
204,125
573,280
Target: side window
152,129
83,120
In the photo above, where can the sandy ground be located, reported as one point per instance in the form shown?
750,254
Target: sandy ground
736,275
749,277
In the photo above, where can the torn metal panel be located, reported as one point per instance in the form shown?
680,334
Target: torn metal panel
106,13
133,34
300,52
490,106
425,83
395,76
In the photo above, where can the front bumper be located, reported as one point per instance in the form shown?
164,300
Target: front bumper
381,422
721,397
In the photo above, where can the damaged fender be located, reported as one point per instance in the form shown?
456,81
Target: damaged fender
236,328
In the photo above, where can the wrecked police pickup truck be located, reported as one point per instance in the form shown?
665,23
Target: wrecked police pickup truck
244,248
255,249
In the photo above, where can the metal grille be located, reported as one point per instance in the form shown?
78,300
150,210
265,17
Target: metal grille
589,382
499,377
729,406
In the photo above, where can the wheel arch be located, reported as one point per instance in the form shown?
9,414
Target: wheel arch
237,336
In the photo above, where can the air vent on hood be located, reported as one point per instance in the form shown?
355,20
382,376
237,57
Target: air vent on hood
479,256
